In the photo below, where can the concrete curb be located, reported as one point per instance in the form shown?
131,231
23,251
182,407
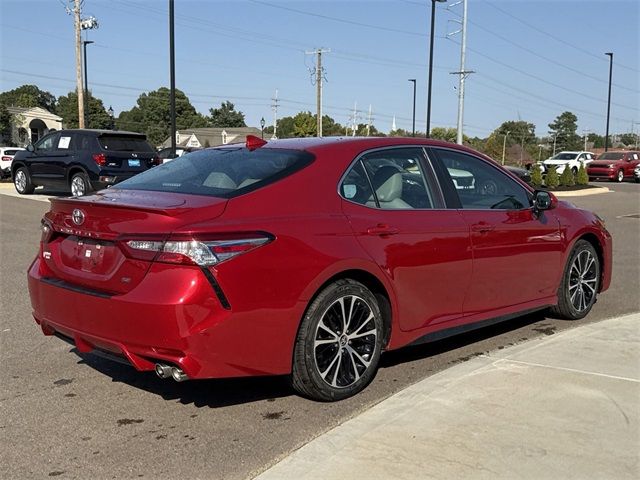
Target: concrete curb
583,193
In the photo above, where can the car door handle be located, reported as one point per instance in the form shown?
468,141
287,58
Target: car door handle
381,229
482,227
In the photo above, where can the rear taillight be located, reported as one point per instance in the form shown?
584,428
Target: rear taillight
202,252
47,231
7,159
100,159
155,161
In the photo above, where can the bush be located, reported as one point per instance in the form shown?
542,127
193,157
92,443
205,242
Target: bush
566,177
552,180
582,178
536,175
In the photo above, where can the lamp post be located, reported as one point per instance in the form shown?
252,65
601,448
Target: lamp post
555,137
110,112
606,135
433,18
504,145
262,127
86,82
413,80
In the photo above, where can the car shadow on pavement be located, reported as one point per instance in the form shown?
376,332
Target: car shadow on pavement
213,393
431,349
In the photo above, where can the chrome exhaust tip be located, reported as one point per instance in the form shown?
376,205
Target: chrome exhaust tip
163,371
178,375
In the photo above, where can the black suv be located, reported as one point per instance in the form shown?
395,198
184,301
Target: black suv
82,160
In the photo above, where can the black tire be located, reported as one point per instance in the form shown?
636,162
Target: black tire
580,283
22,181
322,346
620,176
80,184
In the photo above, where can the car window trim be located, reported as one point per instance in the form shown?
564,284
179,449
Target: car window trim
424,161
445,173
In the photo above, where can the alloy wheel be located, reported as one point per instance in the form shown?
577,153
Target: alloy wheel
77,186
20,181
345,341
583,281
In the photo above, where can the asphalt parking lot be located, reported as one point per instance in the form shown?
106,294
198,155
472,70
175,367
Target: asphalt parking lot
71,416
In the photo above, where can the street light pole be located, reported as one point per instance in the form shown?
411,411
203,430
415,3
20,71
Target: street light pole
110,112
606,136
172,74
86,83
433,18
414,105
262,122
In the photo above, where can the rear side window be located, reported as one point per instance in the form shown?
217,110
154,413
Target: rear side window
10,152
121,143
224,172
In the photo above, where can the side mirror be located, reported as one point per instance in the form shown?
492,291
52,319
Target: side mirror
31,148
543,200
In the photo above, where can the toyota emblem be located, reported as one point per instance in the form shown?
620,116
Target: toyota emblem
77,216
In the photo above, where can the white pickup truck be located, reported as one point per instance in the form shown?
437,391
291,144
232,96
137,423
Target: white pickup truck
573,160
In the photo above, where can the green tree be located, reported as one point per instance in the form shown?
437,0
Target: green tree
552,180
565,127
97,114
152,115
285,127
629,139
596,140
304,125
226,116
29,96
582,178
566,178
330,127
5,126
536,175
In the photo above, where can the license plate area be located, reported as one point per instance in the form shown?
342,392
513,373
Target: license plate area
134,162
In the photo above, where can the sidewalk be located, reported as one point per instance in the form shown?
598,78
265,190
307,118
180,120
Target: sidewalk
565,406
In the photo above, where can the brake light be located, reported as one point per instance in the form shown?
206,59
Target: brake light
7,159
155,161
47,231
254,142
100,159
201,252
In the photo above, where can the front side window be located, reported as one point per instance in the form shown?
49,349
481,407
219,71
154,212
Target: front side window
47,143
480,185
223,172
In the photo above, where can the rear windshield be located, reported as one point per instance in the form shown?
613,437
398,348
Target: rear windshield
119,143
565,156
611,156
224,172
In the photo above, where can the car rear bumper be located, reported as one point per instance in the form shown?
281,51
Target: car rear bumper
172,316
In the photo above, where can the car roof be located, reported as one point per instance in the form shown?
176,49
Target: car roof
100,131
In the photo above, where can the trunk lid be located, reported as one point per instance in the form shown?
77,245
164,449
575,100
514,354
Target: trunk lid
86,245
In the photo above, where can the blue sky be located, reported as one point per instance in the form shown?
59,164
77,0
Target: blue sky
533,59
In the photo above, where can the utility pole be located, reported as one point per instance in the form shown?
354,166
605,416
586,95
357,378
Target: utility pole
606,136
172,75
274,107
504,145
369,122
86,80
354,119
77,10
319,73
462,73
586,137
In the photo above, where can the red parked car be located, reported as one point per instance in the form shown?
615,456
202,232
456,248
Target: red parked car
616,166
308,257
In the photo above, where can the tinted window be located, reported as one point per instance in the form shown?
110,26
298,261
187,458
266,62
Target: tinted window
84,142
121,143
480,185
564,156
10,152
47,143
355,186
611,156
222,172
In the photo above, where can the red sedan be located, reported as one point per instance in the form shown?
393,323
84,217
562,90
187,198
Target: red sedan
308,257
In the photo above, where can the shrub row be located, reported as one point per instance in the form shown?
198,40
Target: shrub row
553,180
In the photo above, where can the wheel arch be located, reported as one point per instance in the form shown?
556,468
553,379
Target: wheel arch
73,170
16,165
373,283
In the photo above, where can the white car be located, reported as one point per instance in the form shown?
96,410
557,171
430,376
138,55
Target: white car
573,160
6,157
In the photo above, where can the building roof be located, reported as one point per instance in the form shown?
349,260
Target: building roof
212,136
34,112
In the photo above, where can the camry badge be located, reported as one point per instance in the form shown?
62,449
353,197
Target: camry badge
77,216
